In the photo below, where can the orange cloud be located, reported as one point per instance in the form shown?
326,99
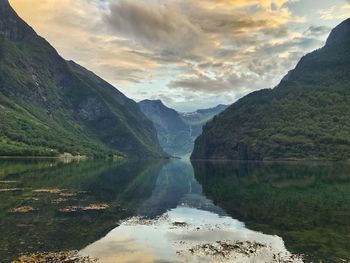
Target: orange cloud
211,46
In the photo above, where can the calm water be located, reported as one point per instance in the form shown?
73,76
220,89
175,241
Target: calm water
157,211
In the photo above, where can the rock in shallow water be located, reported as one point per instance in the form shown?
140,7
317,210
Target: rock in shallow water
50,257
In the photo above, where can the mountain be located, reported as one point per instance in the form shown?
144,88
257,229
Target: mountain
50,106
173,133
203,115
177,131
307,116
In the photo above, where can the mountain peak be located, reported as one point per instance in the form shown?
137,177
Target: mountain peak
157,103
340,34
5,10
11,25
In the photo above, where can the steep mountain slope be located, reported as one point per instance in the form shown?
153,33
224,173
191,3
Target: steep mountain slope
177,131
307,116
195,120
50,106
173,134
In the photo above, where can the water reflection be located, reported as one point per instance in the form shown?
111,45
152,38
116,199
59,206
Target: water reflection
161,241
58,194
302,208
176,221
308,204
176,185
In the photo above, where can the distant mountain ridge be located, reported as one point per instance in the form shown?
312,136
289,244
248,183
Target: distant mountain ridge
50,106
203,114
307,116
177,131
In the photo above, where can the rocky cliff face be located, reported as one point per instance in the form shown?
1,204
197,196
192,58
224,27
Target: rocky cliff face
50,106
307,116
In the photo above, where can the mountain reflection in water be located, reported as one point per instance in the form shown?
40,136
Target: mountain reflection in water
167,208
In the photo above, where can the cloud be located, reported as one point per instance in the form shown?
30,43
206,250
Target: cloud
77,30
202,83
316,31
188,29
337,12
242,3
180,49
206,38
155,26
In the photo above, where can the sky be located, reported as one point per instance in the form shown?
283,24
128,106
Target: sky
191,54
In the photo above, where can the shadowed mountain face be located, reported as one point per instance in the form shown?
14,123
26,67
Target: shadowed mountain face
50,106
307,116
177,131
340,35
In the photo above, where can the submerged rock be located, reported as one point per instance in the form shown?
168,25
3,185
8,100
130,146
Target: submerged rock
180,224
48,190
228,250
50,257
91,207
144,221
225,251
23,209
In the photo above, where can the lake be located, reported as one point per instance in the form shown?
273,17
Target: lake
176,211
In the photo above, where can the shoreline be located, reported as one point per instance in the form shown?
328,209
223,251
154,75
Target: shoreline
79,158
192,160
30,157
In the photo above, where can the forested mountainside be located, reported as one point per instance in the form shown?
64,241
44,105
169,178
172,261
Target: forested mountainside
307,116
50,106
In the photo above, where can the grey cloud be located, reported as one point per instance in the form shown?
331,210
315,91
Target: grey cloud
154,26
316,31
283,31
228,23
184,30
243,58
207,65
228,82
299,43
219,42
120,74
226,48
201,84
